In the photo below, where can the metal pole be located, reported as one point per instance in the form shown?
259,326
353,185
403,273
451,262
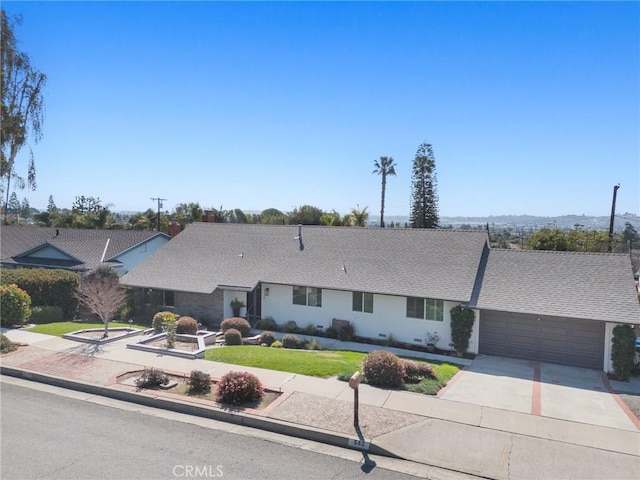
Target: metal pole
613,213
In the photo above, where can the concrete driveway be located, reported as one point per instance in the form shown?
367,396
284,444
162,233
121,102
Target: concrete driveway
544,389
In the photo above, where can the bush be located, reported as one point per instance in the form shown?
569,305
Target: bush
152,378
266,324
45,286
331,332
45,314
14,305
623,351
311,329
266,337
237,323
159,320
6,345
236,388
276,344
290,341
461,327
187,325
414,372
347,332
314,345
383,369
290,327
199,382
232,337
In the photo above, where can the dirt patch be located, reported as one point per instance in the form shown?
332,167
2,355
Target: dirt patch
182,390
179,345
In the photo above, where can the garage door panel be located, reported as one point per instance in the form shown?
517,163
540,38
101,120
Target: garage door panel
556,340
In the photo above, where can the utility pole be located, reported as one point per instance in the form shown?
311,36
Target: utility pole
613,214
159,200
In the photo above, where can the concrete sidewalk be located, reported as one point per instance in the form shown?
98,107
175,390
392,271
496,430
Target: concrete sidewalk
474,439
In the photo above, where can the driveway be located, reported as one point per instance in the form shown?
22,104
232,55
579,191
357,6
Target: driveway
544,389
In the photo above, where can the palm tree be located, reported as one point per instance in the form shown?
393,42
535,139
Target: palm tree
383,167
359,217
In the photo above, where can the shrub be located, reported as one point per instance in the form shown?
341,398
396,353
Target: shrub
347,332
14,305
461,327
159,320
236,388
187,325
199,382
290,341
311,329
266,324
414,372
46,314
46,286
314,345
152,378
170,330
232,337
276,344
266,337
6,345
383,369
290,327
623,351
331,332
237,323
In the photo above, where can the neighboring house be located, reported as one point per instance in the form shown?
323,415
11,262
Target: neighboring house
545,306
76,249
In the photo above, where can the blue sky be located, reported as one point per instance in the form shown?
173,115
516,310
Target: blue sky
531,108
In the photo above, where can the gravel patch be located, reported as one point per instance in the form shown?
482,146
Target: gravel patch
631,401
337,415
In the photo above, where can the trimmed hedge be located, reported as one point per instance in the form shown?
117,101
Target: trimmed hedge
236,388
50,287
383,369
237,323
162,318
46,314
187,325
232,337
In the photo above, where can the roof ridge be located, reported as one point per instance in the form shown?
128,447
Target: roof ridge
561,252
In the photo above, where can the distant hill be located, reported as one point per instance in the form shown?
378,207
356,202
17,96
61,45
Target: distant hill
529,221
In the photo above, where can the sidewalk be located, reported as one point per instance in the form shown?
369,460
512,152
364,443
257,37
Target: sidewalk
473,439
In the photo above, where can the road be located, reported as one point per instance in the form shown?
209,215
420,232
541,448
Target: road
48,433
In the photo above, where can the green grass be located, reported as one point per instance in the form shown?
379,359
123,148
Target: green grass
60,328
430,386
322,363
315,363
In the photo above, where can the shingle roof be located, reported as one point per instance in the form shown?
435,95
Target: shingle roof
409,262
565,284
87,246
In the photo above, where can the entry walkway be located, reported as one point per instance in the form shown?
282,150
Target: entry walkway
447,432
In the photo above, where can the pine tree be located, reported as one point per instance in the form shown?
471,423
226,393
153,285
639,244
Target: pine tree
13,206
424,196
52,205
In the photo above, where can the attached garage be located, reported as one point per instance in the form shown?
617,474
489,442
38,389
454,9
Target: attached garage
568,341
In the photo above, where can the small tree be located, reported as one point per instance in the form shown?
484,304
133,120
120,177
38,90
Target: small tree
461,327
623,351
101,293
15,304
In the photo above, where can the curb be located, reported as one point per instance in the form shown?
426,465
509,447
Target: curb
185,407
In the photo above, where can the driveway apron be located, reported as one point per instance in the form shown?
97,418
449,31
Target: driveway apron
549,390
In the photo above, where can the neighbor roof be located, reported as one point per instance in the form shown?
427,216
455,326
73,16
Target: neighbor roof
409,262
80,249
596,286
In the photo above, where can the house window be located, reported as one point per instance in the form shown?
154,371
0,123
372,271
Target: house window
362,302
163,298
309,296
425,308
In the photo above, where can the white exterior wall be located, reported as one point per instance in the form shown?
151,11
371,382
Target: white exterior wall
608,337
135,255
229,296
389,316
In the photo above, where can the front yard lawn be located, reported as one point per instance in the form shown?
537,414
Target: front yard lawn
315,363
60,328
319,363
